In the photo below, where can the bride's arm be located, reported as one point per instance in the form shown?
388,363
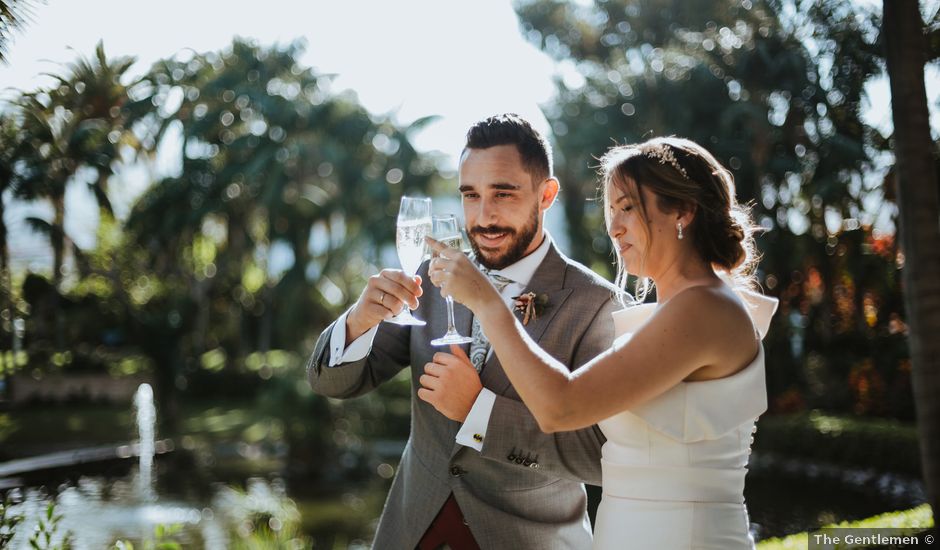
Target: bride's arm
669,347
540,379
674,343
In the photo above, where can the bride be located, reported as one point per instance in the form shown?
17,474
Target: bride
678,393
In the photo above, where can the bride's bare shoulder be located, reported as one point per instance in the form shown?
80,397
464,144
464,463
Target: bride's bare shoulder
711,307
716,321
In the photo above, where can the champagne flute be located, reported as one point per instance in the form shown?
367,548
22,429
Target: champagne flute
414,224
446,230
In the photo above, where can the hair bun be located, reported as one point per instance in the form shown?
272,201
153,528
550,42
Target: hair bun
730,242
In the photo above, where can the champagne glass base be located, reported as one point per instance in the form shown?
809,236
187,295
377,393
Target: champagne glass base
406,318
451,338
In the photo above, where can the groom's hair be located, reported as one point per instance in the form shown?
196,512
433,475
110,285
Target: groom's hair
512,129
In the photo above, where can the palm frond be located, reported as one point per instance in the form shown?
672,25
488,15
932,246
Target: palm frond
14,15
40,226
101,197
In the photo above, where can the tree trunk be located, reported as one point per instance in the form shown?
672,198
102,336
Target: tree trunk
57,237
59,242
919,226
574,202
7,361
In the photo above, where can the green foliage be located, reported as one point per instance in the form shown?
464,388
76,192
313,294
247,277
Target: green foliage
46,532
752,90
332,440
14,14
271,225
272,159
886,445
164,538
915,518
287,191
775,89
342,521
8,522
11,362
75,131
912,521
265,363
260,517
11,135
256,534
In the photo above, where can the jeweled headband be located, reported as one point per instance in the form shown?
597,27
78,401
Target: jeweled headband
663,153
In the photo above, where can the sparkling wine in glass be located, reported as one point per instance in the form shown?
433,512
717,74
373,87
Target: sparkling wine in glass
447,231
414,224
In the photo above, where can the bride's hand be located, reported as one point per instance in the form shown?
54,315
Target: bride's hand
457,277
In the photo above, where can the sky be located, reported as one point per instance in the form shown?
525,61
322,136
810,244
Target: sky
414,57
409,58
460,60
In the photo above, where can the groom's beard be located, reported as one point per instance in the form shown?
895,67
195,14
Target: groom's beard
519,241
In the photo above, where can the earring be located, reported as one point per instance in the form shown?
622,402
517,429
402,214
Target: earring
679,229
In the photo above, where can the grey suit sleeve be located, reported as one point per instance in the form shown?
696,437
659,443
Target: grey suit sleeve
390,353
513,432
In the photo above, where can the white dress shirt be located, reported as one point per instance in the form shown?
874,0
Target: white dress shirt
473,431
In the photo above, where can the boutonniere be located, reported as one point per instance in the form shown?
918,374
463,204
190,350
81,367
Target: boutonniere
530,305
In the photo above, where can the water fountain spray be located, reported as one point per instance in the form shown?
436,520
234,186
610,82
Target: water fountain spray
146,420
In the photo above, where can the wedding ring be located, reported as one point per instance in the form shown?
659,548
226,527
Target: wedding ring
382,299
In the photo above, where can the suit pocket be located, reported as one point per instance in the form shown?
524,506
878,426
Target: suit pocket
535,488
495,476
549,500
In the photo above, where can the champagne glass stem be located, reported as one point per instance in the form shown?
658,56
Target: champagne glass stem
451,326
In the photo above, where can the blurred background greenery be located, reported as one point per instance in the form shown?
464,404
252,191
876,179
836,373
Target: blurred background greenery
216,282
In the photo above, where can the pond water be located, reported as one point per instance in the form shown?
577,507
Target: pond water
787,496
102,507
112,500
107,501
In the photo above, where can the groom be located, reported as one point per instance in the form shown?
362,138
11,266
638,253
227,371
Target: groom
477,472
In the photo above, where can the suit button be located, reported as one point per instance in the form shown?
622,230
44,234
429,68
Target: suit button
534,465
456,471
519,459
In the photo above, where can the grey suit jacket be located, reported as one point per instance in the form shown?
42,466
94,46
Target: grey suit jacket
524,490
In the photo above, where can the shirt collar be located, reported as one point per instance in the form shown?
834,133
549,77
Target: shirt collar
522,271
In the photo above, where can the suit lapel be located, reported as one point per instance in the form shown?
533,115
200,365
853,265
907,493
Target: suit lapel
548,279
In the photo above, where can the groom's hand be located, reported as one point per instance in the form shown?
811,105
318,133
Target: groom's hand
450,384
384,296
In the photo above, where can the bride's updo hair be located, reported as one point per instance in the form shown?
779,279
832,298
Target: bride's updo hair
684,176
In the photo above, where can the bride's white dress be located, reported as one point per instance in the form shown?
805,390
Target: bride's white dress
673,468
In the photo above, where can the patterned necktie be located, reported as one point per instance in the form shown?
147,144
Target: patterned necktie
480,346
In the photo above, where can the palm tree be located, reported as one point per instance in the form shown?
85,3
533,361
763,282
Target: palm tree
74,133
77,128
46,171
269,155
919,207
13,16
10,147
10,140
